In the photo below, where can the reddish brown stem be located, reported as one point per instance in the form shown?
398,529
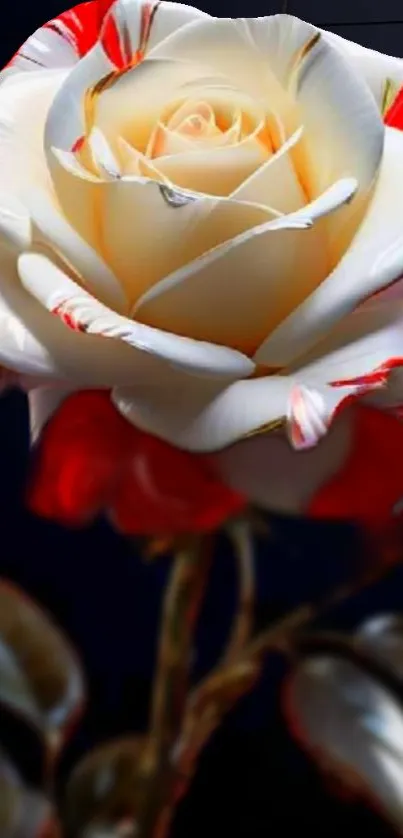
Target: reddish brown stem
182,604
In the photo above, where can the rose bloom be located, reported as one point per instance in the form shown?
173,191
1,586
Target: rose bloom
201,226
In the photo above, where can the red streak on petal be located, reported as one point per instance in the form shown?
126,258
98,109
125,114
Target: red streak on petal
82,23
78,145
111,43
68,318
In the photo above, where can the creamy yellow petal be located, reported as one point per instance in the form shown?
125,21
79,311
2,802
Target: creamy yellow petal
336,107
239,291
374,260
149,229
216,171
275,183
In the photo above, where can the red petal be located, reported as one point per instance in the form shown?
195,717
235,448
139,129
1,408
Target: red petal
369,487
90,459
78,460
170,491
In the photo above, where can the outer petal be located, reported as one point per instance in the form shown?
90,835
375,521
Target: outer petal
355,361
36,344
43,403
351,475
139,25
375,67
82,313
65,39
33,343
274,476
374,260
24,104
61,41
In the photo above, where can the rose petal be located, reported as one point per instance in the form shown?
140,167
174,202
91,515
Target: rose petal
81,312
43,403
374,260
272,55
201,419
36,344
67,122
142,24
217,171
150,229
355,361
90,460
58,233
24,103
369,339
375,67
60,42
276,182
274,476
255,278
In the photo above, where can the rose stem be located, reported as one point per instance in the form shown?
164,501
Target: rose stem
182,603
242,541
231,679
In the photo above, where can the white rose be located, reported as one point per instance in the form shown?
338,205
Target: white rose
218,198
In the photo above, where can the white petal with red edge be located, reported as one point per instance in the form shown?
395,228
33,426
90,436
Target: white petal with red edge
374,260
365,341
356,360
64,40
81,312
45,48
141,24
39,347
251,277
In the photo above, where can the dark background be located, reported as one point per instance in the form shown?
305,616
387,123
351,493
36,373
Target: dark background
252,780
